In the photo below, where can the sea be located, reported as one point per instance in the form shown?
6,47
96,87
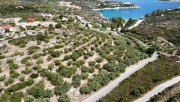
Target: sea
146,6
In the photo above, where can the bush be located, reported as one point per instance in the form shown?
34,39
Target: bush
109,67
16,97
57,62
76,80
39,61
99,60
28,98
79,63
55,54
84,75
92,63
27,70
8,81
60,90
55,78
67,72
33,49
19,86
39,91
58,25
34,75
64,98
85,90
51,66
150,50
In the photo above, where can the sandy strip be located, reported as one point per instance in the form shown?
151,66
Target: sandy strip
136,24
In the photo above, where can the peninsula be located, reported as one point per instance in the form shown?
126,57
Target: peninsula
115,5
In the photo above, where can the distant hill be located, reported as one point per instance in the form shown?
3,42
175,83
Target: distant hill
161,23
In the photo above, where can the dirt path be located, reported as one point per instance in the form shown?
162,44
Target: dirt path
136,24
158,89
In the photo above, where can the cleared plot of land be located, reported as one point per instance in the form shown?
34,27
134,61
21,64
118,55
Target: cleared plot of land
144,80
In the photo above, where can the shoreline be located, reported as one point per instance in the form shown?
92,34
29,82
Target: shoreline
135,7
169,0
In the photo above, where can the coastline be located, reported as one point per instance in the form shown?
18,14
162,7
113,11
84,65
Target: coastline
134,7
169,0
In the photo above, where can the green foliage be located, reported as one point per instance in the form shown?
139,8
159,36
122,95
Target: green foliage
118,21
96,83
67,72
110,67
39,91
129,23
54,78
150,50
19,86
33,49
144,80
64,98
60,90
76,80
16,97
28,98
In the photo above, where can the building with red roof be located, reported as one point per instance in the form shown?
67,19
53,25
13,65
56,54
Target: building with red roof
6,28
30,20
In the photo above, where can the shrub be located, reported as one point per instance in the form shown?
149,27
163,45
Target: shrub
85,90
109,67
16,97
39,61
28,98
51,66
57,62
84,75
8,81
67,72
27,70
92,63
60,90
64,98
33,49
34,75
58,25
38,90
19,86
76,80
99,60
78,63
55,54
55,78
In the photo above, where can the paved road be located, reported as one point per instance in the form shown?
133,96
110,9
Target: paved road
158,89
129,71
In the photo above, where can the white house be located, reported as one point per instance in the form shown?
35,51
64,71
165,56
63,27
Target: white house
6,28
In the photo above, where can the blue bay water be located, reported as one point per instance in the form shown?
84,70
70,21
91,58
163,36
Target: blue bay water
146,6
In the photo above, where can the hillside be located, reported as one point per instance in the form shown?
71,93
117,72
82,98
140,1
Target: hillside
161,23
57,58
